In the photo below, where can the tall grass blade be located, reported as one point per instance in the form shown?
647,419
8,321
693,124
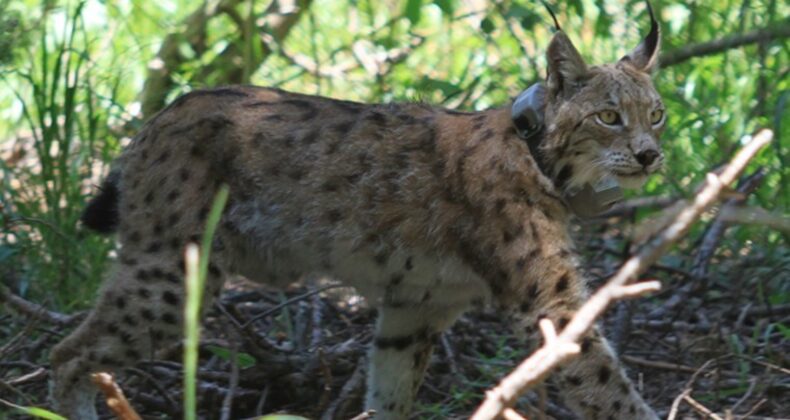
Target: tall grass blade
197,261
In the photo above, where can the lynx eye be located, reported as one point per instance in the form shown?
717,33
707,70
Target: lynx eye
656,116
609,118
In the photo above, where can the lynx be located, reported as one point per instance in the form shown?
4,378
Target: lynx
425,211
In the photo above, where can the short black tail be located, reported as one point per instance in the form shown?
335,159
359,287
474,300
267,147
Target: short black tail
101,214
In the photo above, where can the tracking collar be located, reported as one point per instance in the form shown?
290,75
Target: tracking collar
527,114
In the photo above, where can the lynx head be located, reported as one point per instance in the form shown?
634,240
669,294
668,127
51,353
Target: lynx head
602,120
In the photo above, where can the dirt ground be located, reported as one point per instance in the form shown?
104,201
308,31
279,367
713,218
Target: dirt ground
713,340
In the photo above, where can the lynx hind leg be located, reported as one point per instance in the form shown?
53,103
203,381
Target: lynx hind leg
138,312
399,355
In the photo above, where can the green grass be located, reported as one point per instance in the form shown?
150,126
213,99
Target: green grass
33,411
197,261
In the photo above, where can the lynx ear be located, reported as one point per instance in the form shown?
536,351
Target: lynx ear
645,56
567,70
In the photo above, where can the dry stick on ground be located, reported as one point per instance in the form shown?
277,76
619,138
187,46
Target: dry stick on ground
227,402
14,344
326,374
316,321
172,408
274,309
114,396
560,348
37,311
347,393
698,407
687,389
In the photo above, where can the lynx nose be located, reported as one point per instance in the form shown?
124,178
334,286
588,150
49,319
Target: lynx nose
646,157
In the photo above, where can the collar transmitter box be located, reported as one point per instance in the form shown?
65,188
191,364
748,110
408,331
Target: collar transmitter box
527,111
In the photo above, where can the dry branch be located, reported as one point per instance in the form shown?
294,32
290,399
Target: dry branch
227,402
629,207
560,348
347,394
159,80
756,215
279,18
716,46
710,241
701,408
232,65
114,396
37,311
716,230
364,415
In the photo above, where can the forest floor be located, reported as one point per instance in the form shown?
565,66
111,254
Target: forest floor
716,342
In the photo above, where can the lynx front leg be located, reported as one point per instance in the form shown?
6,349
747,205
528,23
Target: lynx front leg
531,271
594,385
399,354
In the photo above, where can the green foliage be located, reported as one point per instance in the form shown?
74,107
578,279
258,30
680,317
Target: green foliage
65,117
10,34
243,360
74,68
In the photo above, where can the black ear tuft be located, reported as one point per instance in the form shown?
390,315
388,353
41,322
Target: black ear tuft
101,214
645,56
553,17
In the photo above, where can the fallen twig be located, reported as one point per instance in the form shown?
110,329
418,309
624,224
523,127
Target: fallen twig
39,374
227,402
113,394
316,321
765,364
35,310
559,348
673,411
450,354
326,374
759,404
364,415
19,394
172,407
14,343
657,364
696,405
351,387
745,396
275,309
686,390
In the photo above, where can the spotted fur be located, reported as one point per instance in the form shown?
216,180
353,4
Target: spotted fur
424,210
